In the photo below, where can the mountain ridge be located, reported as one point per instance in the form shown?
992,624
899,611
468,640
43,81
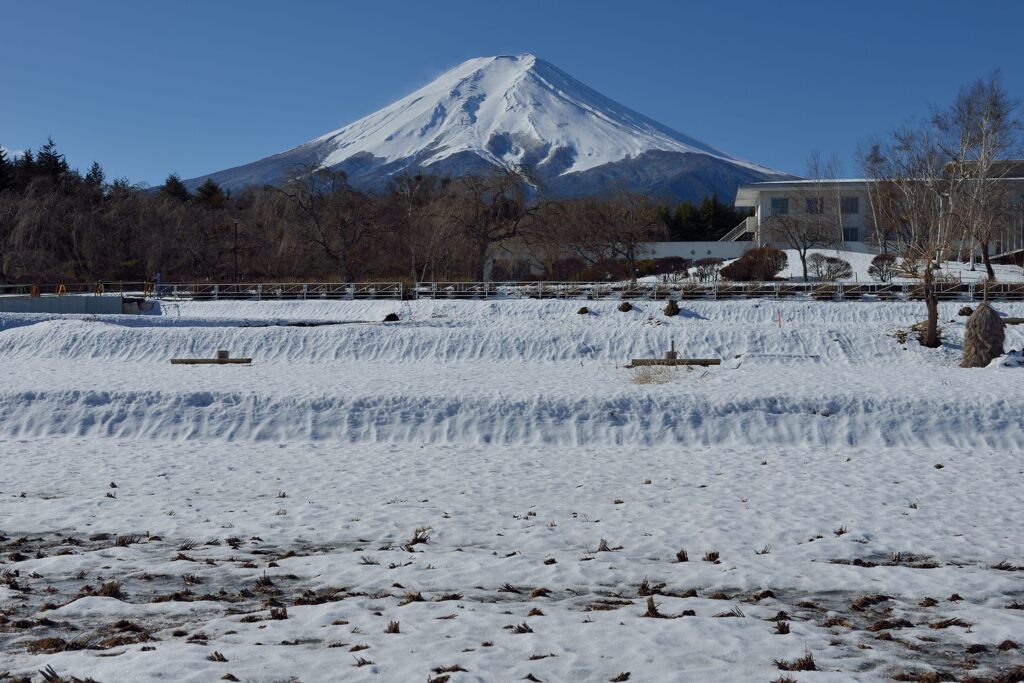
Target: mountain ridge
513,112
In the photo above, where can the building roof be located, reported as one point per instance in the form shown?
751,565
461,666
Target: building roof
746,195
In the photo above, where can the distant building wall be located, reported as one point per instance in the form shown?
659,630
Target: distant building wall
695,250
84,305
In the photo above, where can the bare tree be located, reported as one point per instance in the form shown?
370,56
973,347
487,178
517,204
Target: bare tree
332,215
489,209
979,131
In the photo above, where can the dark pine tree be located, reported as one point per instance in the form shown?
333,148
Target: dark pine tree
6,171
95,177
50,162
210,195
173,187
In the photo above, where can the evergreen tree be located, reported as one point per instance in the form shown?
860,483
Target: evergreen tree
50,162
6,171
173,187
95,177
210,195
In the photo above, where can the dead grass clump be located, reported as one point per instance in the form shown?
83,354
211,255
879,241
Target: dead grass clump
539,593
448,596
624,676
278,613
508,588
946,623
782,628
49,646
681,556
652,374
535,612
186,545
805,663
603,547
1007,645
450,669
50,675
125,541
520,628
111,589
217,657
711,556
734,612
393,627
410,597
865,601
984,333
889,624
833,622
360,661
652,610
583,310
922,676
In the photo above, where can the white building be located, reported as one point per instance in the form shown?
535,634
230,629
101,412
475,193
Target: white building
843,202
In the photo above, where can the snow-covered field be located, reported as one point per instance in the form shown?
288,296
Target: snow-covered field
491,479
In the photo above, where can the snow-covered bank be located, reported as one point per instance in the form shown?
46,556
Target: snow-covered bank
490,476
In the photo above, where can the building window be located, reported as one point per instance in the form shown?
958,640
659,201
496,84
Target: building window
815,205
780,206
850,204
851,234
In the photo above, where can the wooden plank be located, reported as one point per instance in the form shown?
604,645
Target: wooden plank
676,361
211,361
1013,321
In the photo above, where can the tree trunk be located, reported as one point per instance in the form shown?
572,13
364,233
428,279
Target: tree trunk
803,263
930,336
987,260
481,272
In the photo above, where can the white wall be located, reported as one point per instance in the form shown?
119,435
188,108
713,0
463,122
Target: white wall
696,250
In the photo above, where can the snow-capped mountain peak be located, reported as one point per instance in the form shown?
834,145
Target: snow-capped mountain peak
517,112
510,110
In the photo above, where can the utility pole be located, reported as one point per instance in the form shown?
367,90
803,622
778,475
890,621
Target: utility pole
236,251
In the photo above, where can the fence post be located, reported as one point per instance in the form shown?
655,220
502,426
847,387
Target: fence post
216,291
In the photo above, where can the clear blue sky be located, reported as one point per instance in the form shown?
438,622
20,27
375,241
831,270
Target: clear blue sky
147,88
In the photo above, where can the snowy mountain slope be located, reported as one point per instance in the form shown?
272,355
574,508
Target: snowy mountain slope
513,111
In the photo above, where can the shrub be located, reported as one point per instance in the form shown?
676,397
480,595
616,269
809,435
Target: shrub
965,311
755,265
829,268
672,308
883,267
625,307
391,318
706,269
583,310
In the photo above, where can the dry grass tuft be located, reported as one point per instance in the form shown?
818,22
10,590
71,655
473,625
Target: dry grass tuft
410,597
711,556
521,628
946,623
652,374
217,657
450,669
782,627
865,601
805,663
186,545
362,662
681,556
393,627
624,676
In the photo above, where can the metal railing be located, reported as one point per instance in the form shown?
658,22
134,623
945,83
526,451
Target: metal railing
661,290
291,291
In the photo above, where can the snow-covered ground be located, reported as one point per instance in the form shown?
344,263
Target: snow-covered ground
492,478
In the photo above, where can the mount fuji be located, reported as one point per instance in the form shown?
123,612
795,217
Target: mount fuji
513,112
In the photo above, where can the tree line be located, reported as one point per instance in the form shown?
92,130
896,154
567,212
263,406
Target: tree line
59,225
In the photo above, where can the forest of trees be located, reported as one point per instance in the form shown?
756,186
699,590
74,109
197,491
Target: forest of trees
59,225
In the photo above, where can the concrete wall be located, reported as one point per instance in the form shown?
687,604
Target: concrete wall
696,250
85,305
